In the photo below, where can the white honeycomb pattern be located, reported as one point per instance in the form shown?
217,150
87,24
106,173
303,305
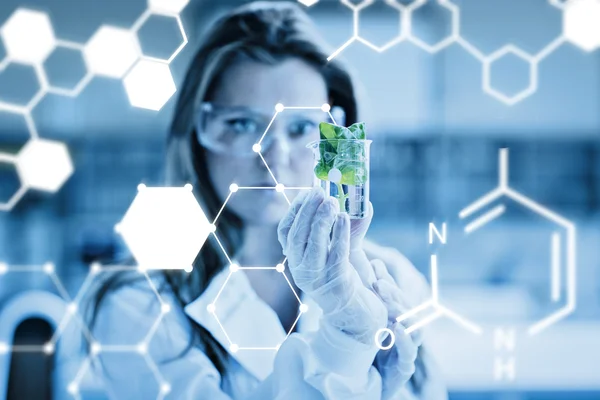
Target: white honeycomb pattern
580,27
112,52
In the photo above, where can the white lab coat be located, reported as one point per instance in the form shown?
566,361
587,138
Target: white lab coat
310,364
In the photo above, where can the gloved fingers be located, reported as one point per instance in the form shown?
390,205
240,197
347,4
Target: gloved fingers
318,240
340,244
397,305
398,363
300,229
359,227
286,222
381,271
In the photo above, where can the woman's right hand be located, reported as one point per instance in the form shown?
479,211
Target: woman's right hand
321,268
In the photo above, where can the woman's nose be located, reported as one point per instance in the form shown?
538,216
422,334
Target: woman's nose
278,150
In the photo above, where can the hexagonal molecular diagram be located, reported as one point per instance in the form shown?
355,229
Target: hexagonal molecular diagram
444,13
162,37
28,36
111,52
264,143
164,227
19,84
149,85
387,14
141,294
168,6
580,23
562,271
507,56
44,165
232,328
65,69
562,241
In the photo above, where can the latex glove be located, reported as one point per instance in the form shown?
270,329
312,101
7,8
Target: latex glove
321,268
358,258
397,364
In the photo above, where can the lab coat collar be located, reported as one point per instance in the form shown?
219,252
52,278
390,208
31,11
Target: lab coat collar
245,320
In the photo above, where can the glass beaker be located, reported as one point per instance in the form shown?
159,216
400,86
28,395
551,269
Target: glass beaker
342,170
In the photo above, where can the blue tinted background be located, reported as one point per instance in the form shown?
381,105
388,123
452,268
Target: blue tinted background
436,135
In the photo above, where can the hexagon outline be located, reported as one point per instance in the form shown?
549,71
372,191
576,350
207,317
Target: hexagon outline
533,75
234,268
403,19
279,108
144,18
37,96
447,41
83,82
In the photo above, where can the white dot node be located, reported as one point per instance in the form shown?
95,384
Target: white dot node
142,348
141,269
141,187
72,388
96,348
256,148
165,388
334,175
280,268
72,308
3,348
378,335
95,268
234,268
233,188
48,268
278,346
188,269
165,308
212,228
279,187
3,268
279,107
188,187
211,308
303,308
234,348
326,107
118,228
48,348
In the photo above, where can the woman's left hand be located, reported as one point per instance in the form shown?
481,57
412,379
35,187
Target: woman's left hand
397,364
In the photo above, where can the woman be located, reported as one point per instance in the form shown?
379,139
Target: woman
257,56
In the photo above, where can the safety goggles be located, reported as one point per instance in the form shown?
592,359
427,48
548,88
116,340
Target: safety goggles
235,130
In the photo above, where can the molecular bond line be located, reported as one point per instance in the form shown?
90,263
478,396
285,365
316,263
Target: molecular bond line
580,27
112,52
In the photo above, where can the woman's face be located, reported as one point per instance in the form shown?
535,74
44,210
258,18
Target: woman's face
243,106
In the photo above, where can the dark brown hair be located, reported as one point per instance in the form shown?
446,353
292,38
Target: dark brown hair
267,32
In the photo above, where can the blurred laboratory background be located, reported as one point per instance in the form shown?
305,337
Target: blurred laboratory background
436,134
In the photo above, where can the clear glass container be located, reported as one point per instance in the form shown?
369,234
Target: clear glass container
341,168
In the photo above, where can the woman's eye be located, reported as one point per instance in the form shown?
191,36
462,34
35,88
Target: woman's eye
302,128
242,125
